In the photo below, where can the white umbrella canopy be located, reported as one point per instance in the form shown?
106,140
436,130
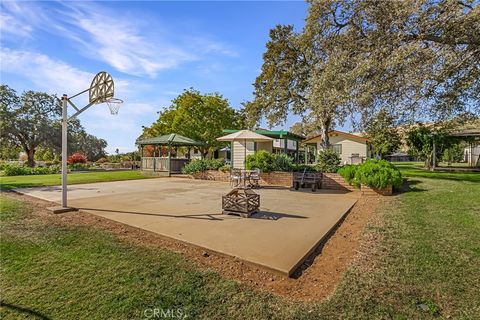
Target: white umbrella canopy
245,135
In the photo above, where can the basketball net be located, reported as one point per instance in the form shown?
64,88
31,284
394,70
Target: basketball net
114,105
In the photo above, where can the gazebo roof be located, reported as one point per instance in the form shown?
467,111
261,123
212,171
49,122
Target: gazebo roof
172,139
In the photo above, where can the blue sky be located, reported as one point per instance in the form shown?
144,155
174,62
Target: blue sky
152,49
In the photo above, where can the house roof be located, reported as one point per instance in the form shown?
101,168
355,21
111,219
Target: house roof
277,134
244,135
171,139
334,133
466,133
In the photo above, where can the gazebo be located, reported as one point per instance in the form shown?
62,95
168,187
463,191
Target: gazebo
164,156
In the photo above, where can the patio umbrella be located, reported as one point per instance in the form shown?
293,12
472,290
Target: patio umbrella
245,135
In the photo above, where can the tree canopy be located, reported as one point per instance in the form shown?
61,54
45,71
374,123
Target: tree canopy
31,121
27,120
413,58
201,117
382,132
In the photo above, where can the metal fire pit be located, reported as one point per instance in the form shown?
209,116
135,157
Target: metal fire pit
243,202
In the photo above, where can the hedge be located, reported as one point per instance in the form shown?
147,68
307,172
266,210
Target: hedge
15,170
373,173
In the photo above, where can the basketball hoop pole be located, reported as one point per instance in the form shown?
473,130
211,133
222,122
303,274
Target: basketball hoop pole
105,93
64,150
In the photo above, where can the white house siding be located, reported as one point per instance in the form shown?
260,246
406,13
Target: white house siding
348,148
239,153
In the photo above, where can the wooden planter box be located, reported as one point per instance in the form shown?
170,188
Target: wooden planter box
243,202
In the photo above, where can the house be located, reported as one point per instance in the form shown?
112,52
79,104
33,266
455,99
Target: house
350,147
283,142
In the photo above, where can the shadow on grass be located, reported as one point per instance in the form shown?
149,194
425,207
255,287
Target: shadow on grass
14,185
23,310
409,186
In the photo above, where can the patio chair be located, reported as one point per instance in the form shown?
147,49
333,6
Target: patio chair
254,178
235,177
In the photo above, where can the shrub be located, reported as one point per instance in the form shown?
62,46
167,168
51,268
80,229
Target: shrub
77,157
379,174
15,170
199,165
376,174
224,168
78,166
102,160
282,162
348,173
267,162
262,160
328,161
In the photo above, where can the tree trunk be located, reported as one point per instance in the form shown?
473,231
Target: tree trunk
324,130
31,157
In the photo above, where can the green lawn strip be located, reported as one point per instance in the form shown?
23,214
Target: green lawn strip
428,259
12,182
80,272
415,169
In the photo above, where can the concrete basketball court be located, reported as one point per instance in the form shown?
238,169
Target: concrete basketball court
290,225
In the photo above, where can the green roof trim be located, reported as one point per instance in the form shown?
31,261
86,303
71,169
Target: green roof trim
278,134
172,139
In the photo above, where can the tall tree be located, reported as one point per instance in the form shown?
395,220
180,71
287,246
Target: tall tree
27,120
201,117
381,130
413,57
89,145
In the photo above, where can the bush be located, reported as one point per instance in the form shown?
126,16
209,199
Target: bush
102,160
348,173
15,170
328,161
77,157
78,166
267,162
225,168
282,162
199,165
376,174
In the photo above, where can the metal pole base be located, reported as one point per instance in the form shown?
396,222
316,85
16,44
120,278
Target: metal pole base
60,209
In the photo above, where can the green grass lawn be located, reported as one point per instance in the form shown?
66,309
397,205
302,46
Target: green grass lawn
425,266
415,169
7,183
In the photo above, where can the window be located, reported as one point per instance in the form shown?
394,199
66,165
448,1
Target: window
337,148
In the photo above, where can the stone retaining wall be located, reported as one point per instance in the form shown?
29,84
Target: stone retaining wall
334,181
284,179
212,175
367,191
270,178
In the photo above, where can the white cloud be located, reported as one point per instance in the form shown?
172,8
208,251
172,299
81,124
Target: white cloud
51,75
120,44
9,25
135,45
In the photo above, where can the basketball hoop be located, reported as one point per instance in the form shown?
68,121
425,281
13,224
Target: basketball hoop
101,88
114,105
